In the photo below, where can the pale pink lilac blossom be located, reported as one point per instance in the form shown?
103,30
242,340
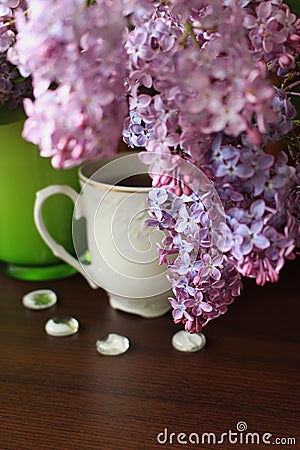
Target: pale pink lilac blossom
13,89
80,50
193,79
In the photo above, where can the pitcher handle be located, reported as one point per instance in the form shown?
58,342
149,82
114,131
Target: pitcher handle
57,249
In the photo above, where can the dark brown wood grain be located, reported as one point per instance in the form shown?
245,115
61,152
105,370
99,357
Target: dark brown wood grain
59,393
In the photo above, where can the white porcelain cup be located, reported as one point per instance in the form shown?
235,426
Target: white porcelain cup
122,248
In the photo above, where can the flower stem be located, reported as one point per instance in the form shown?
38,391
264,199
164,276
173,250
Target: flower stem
296,83
189,31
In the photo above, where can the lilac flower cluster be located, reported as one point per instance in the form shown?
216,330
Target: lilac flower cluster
274,34
76,60
199,81
203,280
206,87
254,189
13,89
201,74
261,229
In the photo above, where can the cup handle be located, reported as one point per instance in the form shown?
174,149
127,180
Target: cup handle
57,249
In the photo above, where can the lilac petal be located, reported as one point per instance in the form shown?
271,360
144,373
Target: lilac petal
197,310
227,245
206,307
246,247
190,290
139,141
144,100
160,130
202,234
236,196
216,143
175,304
279,36
215,274
183,212
229,152
173,140
247,157
258,182
221,170
177,314
136,128
249,21
186,258
140,38
261,241
206,258
204,219
181,225
278,181
265,161
188,316
256,227
190,303
240,215
272,253
161,196
153,194
244,172
4,11
257,209
243,230
13,3
218,123
205,272
271,233
217,260
198,295
236,252
264,10
268,45
151,223
168,43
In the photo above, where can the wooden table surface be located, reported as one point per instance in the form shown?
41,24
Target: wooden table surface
59,393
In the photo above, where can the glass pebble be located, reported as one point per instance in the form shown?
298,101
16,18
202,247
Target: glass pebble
39,299
112,344
62,326
187,342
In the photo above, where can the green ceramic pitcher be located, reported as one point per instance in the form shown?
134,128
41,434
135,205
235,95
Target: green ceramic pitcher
23,172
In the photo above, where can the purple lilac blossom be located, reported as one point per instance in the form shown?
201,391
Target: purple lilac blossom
196,77
81,119
13,89
274,33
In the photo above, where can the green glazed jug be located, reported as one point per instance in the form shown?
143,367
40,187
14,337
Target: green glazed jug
23,254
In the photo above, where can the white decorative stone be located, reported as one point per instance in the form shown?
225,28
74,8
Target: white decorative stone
187,342
39,299
112,344
62,326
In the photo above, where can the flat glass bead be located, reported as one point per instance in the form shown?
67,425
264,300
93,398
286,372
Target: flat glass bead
187,342
39,299
61,326
112,344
